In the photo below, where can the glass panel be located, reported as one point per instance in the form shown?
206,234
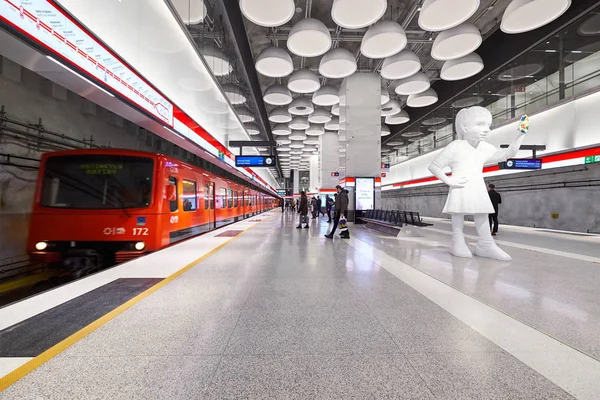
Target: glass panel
189,195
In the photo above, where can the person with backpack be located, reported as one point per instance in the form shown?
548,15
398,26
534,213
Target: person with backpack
341,209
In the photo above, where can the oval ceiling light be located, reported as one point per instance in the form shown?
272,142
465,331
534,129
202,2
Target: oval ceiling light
462,68
315,130
217,60
392,107
384,39
280,115
418,83
296,144
252,129
304,81
283,148
526,15
335,110
297,135
326,96
439,15
356,14
311,142
234,94
268,13
337,63
333,125
434,121
191,12
277,95
424,99
309,38
397,119
244,114
274,62
281,130
301,106
282,140
319,116
385,130
401,65
385,96
456,42
299,123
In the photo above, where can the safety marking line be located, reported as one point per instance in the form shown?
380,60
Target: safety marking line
52,352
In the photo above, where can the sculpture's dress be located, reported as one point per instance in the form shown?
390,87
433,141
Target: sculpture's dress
467,161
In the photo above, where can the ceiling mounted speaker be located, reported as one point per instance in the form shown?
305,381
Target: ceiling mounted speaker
304,81
244,114
277,95
274,62
234,94
297,135
462,68
456,42
335,110
301,106
333,125
309,38
415,84
356,14
217,60
397,119
269,13
280,116
385,130
384,39
337,63
424,99
315,130
526,15
191,12
320,116
281,130
439,15
392,107
326,96
252,129
299,123
401,65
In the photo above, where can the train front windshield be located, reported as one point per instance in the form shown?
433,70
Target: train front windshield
97,181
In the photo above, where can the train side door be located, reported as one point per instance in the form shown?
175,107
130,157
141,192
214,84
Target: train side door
211,201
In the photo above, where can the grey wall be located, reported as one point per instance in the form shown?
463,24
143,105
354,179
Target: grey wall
528,199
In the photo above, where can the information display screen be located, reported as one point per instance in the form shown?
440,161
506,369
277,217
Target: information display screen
254,161
365,193
523,164
47,25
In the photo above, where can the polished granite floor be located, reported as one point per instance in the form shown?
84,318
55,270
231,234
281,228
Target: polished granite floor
285,313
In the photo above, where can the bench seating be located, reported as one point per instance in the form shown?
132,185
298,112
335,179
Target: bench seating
393,218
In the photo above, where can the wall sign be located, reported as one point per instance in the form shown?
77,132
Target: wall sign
592,159
535,163
334,174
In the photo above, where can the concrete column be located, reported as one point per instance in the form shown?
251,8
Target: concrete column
315,181
360,128
329,159
296,176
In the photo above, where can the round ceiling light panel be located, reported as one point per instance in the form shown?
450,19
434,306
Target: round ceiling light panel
392,107
304,81
191,12
277,95
385,130
591,26
234,94
468,102
418,83
301,106
412,134
424,99
268,13
526,15
456,42
299,123
284,148
326,96
283,140
462,68
397,119
296,144
252,129
356,14
217,60
333,125
337,63
433,121
384,39
281,130
309,38
274,62
244,114
315,130
439,15
319,116
280,115
400,66
297,135
335,110
311,142
385,96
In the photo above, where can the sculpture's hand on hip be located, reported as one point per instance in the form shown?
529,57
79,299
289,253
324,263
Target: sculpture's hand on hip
457,182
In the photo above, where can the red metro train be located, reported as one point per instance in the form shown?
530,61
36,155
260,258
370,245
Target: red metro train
104,206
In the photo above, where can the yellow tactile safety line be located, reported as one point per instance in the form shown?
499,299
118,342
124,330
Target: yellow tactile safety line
58,348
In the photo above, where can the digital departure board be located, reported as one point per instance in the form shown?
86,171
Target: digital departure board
254,161
523,163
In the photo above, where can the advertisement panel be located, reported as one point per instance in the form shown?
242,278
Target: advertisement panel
365,193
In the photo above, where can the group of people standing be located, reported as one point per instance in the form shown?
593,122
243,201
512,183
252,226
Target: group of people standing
339,205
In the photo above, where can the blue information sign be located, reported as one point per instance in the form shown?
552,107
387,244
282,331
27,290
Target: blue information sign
522,163
254,161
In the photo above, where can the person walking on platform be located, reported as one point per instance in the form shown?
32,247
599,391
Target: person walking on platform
496,201
341,209
328,207
313,205
303,210
282,204
293,203
320,206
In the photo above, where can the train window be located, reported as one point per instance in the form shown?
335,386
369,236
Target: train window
211,196
174,204
235,199
229,198
190,197
206,206
223,197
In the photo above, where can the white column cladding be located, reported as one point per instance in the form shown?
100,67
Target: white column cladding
315,183
330,161
296,176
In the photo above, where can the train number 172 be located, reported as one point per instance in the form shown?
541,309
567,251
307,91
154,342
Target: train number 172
140,231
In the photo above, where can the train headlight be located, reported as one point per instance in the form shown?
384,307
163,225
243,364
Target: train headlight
139,246
41,246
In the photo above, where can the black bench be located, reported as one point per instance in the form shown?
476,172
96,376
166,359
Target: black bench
391,221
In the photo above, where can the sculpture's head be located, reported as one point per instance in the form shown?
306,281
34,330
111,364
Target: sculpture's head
473,124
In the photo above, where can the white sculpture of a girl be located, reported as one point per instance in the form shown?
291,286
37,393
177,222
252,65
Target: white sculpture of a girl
468,194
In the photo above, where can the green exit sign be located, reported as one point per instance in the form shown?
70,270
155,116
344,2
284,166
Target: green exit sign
592,159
